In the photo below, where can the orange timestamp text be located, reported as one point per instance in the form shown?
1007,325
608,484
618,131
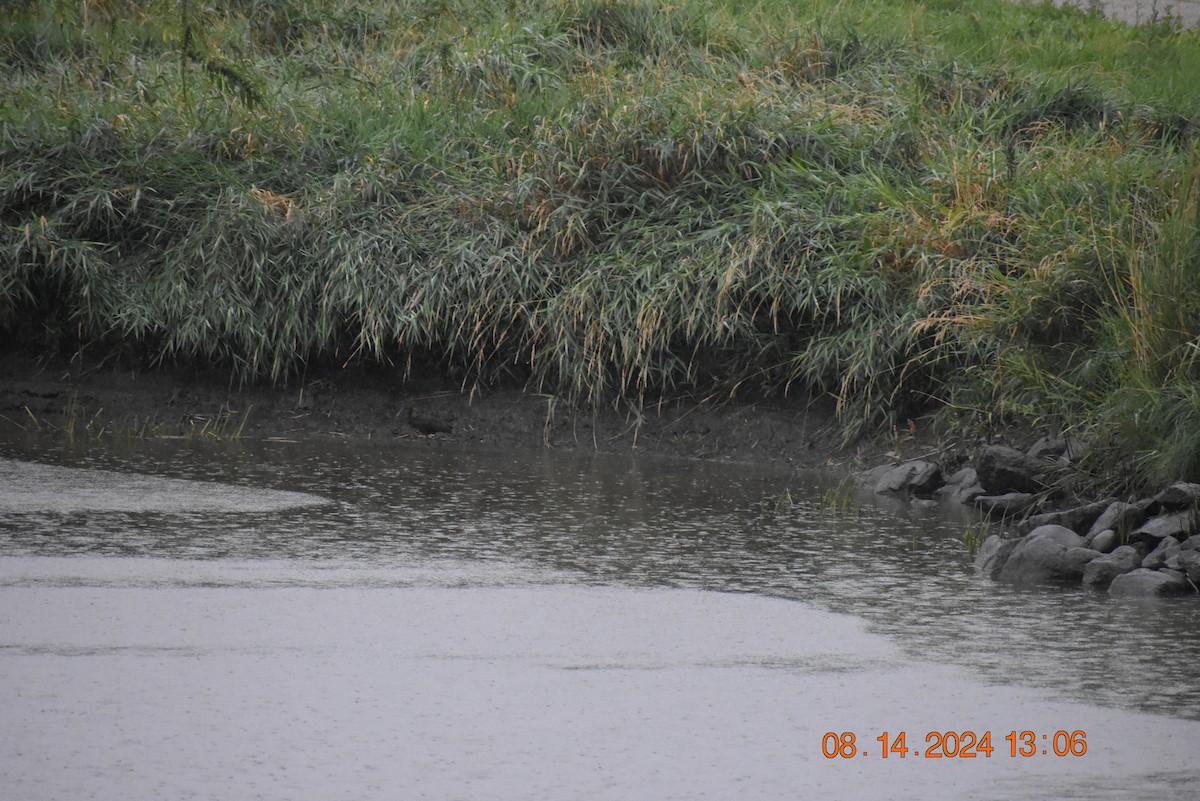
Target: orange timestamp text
956,745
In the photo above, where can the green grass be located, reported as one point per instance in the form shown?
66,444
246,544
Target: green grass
977,207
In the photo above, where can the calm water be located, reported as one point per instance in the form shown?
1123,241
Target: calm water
296,621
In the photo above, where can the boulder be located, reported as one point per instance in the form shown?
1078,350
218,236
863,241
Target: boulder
1048,448
918,477
1180,525
1079,518
1104,541
1002,469
1100,572
1143,583
961,486
1047,554
1119,517
1192,543
1189,564
1166,548
1182,495
992,554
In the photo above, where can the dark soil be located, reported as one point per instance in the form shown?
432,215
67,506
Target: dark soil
38,392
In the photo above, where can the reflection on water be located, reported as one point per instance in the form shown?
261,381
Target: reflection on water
529,626
647,522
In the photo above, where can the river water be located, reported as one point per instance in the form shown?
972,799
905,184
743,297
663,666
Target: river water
297,621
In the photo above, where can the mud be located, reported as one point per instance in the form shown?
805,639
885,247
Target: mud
80,400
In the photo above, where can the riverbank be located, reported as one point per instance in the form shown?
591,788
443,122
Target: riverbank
92,401
897,210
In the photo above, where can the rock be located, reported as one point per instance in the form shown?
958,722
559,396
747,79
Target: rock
1166,548
962,477
1047,554
1180,525
1101,571
1047,447
1002,469
1057,534
1009,504
1120,517
918,477
1104,541
992,554
1183,495
1079,519
1143,583
962,486
1189,563
1192,543
870,477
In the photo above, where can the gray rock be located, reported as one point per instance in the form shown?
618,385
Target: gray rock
1076,559
1048,447
1100,572
962,477
1167,547
1002,469
1010,504
870,477
962,486
1079,518
1189,563
1179,525
1182,495
918,477
1120,517
993,553
1192,543
1048,554
1143,583
1058,534
1104,541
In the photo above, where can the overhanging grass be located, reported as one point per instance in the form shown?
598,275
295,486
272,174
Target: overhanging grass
979,207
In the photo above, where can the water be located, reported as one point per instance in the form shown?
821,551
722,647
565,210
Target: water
284,620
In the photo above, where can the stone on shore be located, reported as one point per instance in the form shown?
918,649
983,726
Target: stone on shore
1079,518
1143,583
1048,554
1100,572
1180,525
1119,516
1182,495
993,553
1103,541
1189,564
961,486
918,478
1002,469
1167,548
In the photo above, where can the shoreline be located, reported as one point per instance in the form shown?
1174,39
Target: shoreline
1145,547
93,401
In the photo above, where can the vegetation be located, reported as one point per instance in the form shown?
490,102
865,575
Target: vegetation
967,206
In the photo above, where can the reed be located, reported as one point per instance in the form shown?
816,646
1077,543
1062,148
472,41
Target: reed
612,201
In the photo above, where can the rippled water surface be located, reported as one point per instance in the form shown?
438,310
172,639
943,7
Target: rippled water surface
190,620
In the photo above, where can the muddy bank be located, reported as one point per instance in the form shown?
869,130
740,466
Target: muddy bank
95,400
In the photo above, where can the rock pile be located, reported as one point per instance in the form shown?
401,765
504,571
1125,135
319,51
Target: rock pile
1149,547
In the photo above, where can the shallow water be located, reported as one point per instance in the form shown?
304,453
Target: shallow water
367,622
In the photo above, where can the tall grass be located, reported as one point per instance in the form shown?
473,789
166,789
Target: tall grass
978,207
